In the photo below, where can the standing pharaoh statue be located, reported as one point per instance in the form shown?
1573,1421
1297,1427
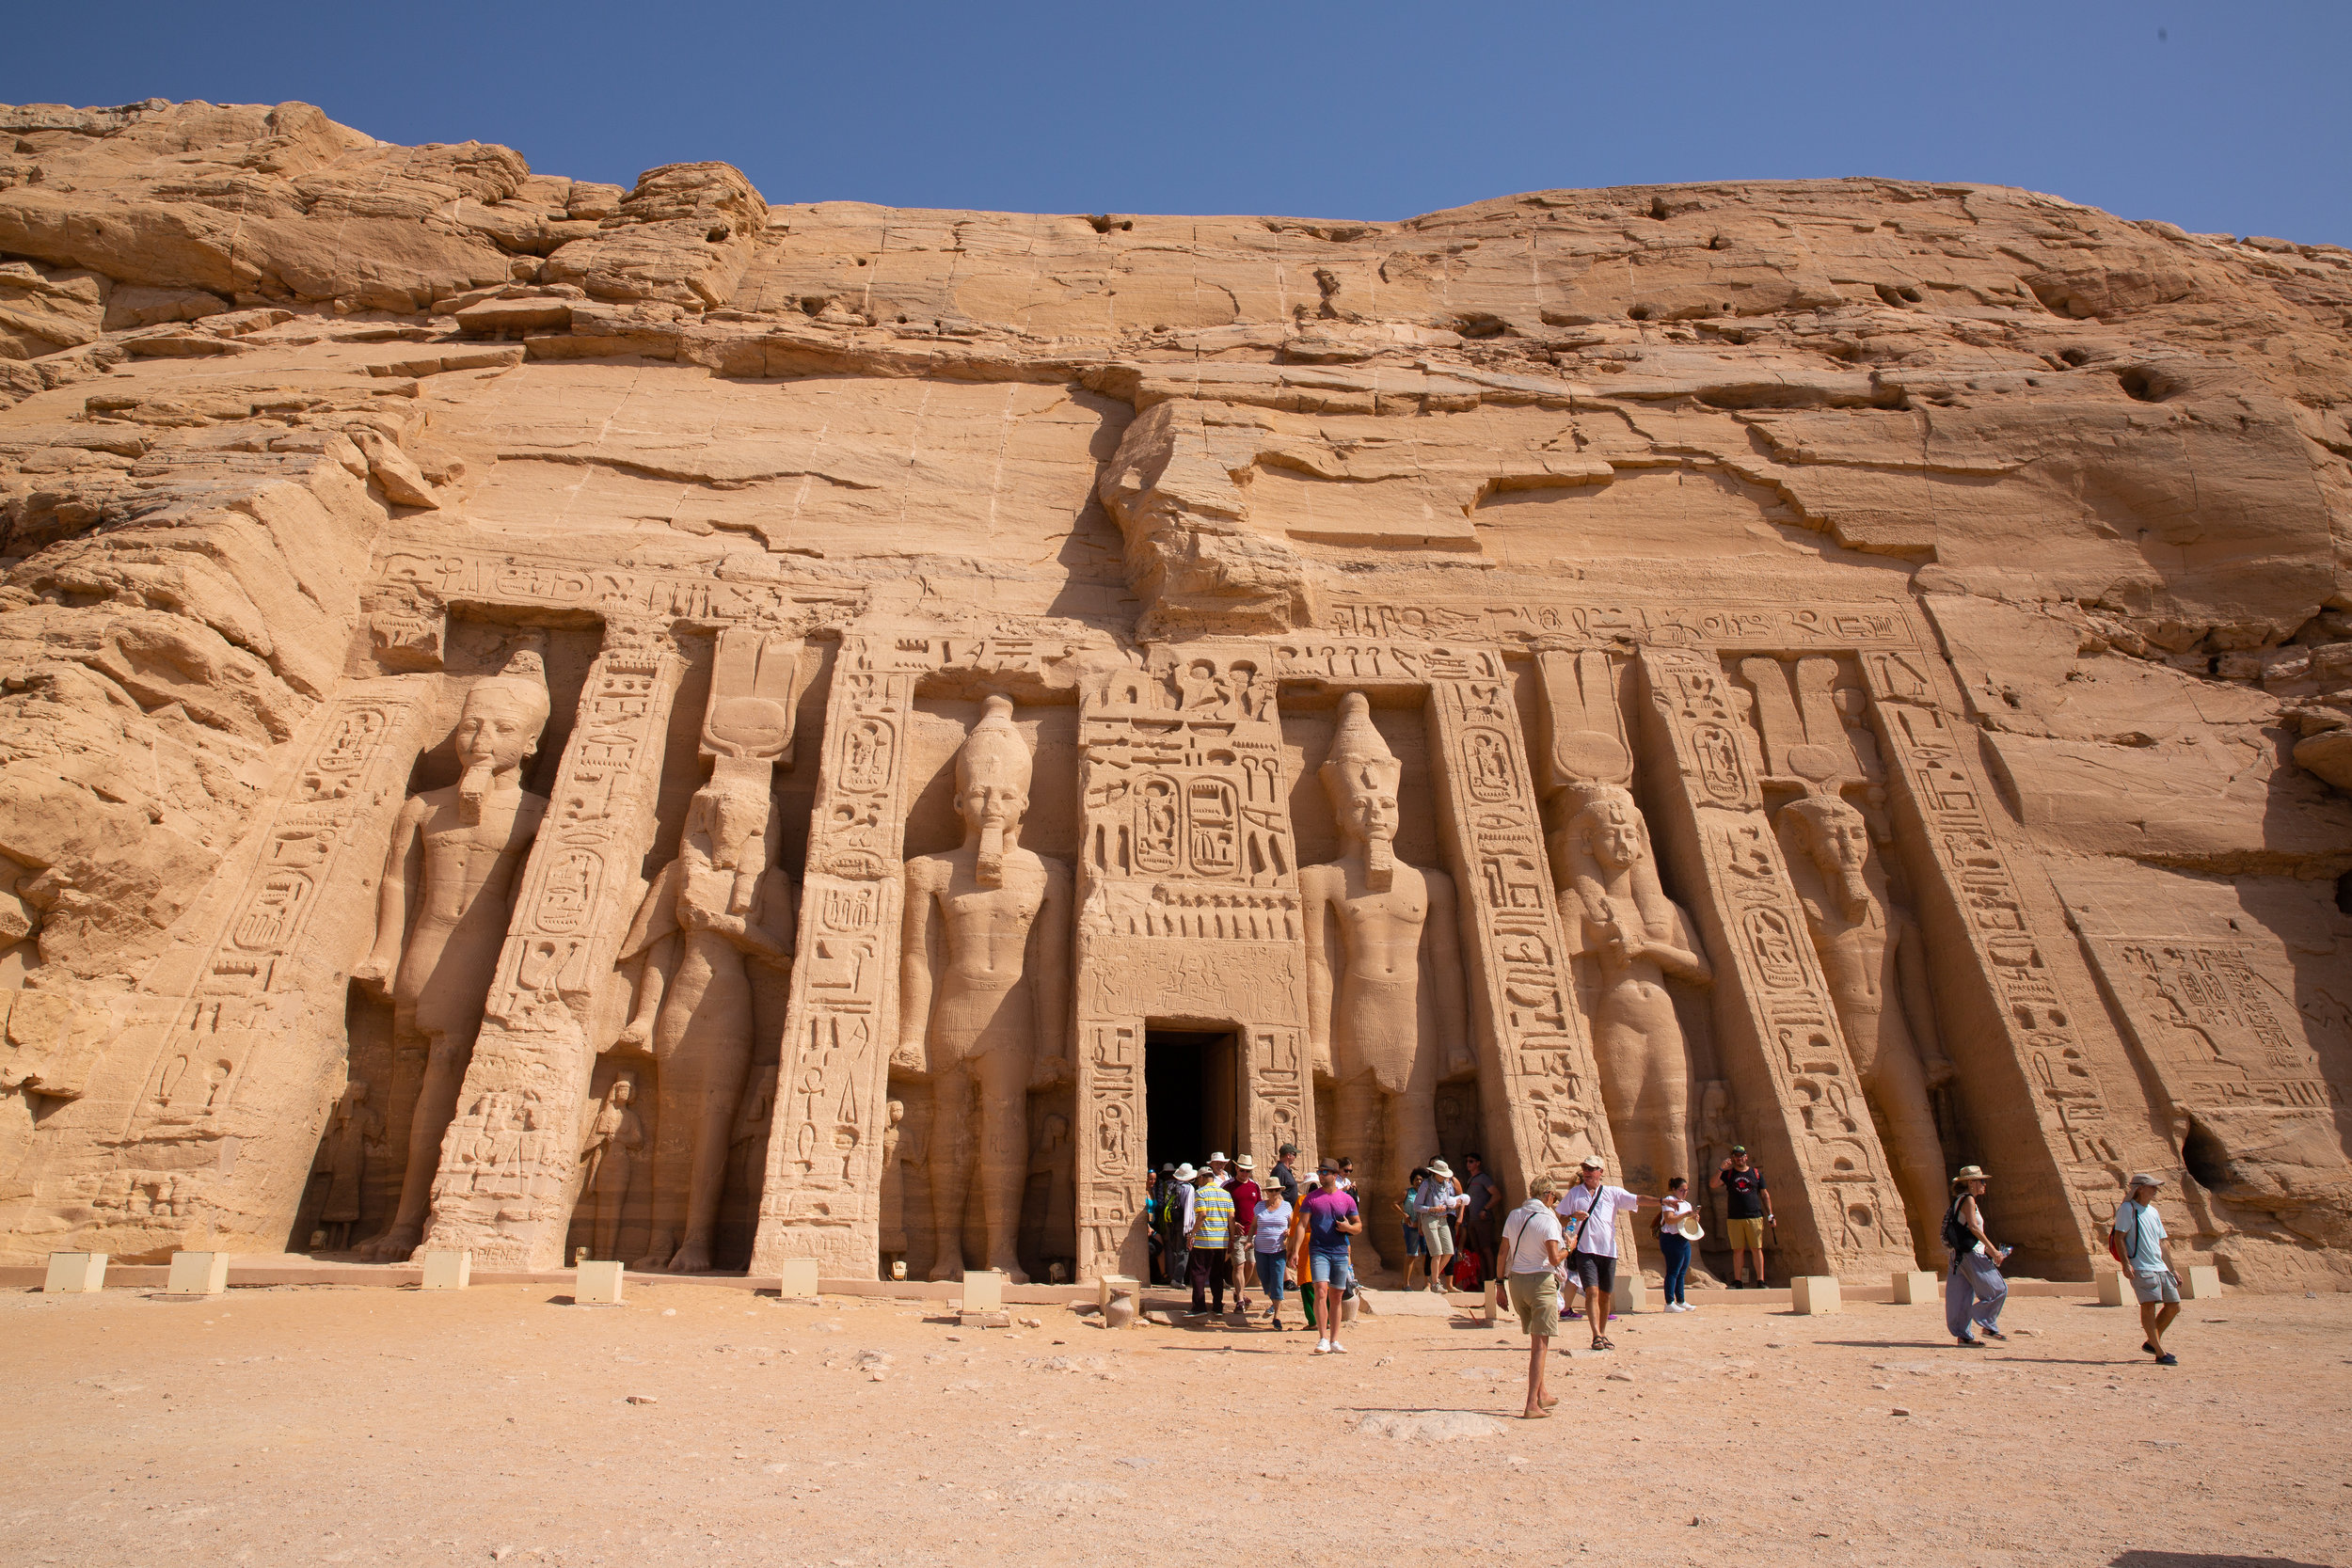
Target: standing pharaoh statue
1859,932
1633,936
607,1162
724,904
452,867
1384,989
985,993
352,1130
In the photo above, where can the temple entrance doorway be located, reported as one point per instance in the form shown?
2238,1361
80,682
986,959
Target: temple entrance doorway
1191,1093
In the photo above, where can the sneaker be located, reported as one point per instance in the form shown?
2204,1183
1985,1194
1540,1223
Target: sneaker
2168,1359
1323,1347
1338,1349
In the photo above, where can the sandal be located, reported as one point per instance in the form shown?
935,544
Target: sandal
1603,1343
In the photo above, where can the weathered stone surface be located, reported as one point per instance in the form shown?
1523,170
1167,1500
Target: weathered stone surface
1860,668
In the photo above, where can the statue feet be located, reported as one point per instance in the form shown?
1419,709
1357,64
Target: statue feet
656,1257
945,1271
693,1257
1013,1272
393,1246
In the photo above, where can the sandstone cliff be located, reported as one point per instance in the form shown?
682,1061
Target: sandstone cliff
280,395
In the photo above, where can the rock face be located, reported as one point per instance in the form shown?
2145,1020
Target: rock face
837,731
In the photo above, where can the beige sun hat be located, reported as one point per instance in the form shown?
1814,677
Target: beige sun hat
1692,1231
1245,1163
1184,1173
1971,1173
1438,1168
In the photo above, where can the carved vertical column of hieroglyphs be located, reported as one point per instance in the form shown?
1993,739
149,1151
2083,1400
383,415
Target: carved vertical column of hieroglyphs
508,1161
2012,1037
1539,1085
822,1197
257,1048
1799,1095
1188,913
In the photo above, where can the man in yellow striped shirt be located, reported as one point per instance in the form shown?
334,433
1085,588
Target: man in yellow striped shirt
1212,1223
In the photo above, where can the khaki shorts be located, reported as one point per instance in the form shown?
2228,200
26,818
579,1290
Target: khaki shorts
1536,1297
1745,1234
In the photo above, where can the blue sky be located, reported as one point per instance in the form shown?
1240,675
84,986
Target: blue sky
2232,117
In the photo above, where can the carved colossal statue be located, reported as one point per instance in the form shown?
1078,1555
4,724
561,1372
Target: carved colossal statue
724,904
607,1159
352,1130
1620,919
453,864
1384,995
1859,933
985,993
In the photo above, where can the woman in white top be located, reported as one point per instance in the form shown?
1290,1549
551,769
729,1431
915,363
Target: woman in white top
1673,1247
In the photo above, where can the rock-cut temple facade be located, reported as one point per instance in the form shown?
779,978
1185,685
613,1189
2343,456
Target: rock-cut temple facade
554,719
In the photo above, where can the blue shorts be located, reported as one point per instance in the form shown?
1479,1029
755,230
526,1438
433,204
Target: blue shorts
1413,1247
1328,1268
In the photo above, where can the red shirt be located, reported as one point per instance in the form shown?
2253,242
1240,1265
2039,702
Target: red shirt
1245,1197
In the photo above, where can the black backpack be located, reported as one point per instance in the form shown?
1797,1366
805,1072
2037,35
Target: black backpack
1958,1238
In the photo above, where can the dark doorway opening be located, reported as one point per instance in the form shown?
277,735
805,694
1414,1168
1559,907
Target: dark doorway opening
1189,1104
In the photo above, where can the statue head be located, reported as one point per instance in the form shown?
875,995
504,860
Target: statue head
498,726
733,811
993,787
1839,839
624,1090
1610,828
1362,775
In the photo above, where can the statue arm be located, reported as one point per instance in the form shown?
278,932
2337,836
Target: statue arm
1917,999
404,863
1049,941
917,963
1311,888
1441,945
767,934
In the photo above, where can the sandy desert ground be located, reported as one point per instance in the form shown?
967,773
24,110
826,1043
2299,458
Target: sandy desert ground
704,1424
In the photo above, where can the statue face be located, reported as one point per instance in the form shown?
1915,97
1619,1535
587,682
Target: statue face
494,732
1848,839
734,817
1369,814
990,800
1616,835
624,1091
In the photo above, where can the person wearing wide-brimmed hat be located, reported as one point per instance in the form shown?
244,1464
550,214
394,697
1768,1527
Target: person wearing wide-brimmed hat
2138,1241
1974,1291
1677,1229
1440,1198
1240,1186
1532,1249
1175,1218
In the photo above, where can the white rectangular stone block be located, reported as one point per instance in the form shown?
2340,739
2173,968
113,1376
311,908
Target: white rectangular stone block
983,1290
1118,1285
74,1273
796,1279
1490,1300
1815,1295
1631,1294
448,1270
2202,1282
2111,1288
1916,1286
198,1274
598,1284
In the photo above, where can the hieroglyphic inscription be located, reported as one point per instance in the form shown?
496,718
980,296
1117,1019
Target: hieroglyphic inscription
1538,1085
276,974
1188,913
822,1196
1828,627
1786,1051
1929,773
618,594
504,1185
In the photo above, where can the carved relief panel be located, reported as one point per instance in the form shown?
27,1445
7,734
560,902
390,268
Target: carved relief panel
1778,1029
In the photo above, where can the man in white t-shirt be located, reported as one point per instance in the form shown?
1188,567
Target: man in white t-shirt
1593,1205
1529,1255
2138,1241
